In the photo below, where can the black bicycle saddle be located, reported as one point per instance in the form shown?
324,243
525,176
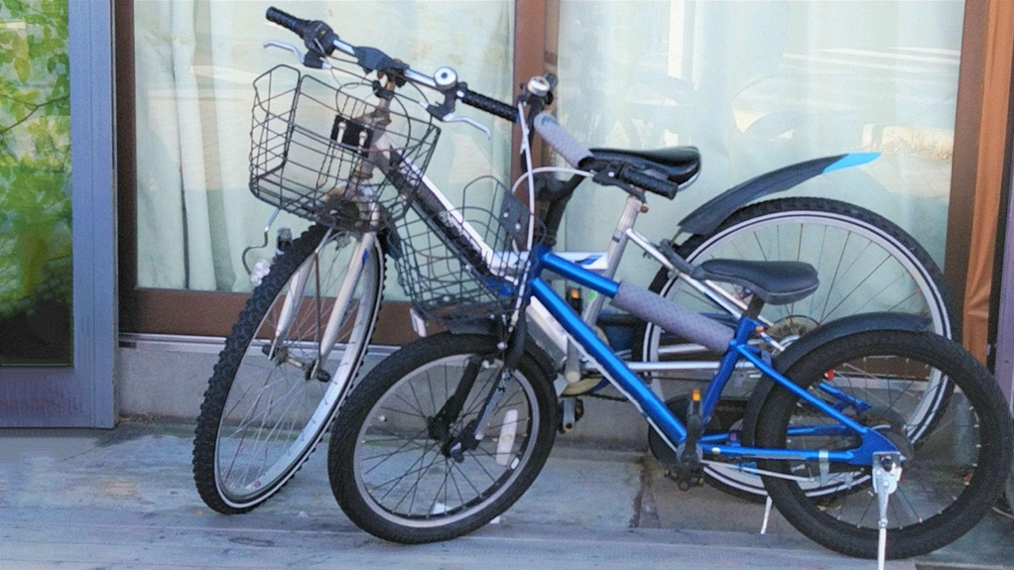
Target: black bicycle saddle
678,164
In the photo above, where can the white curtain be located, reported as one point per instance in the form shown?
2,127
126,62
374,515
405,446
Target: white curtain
760,85
195,63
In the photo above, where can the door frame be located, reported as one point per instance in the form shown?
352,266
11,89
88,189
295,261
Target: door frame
82,395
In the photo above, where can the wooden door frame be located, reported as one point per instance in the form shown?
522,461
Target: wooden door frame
147,310
984,82
535,47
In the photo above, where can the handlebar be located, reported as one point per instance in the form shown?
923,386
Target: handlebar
488,104
321,40
287,21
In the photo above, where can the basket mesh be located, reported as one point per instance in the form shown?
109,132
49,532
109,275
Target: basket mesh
443,270
330,155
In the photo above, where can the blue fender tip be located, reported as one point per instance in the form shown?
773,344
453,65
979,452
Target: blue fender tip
852,159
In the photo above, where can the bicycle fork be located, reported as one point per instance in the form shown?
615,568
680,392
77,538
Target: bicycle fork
474,432
293,300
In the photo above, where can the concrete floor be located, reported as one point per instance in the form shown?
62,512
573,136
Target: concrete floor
125,499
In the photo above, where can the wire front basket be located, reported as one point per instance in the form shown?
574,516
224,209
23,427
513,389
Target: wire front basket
330,155
468,265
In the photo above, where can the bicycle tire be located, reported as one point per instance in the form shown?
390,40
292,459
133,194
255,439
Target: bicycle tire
843,218
357,482
299,429
965,460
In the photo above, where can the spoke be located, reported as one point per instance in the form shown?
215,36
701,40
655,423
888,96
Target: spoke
402,412
457,466
267,384
433,401
256,441
443,485
461,498
416,397
912,294
409,404
399,478
760,247
407,443
820,261
483,467
854,289
415,487
834,279
406,448
273,430
239,447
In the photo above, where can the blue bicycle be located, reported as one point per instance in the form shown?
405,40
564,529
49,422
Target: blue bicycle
865,425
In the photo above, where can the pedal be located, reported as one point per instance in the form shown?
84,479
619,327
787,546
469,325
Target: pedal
726,415
689,470
687,476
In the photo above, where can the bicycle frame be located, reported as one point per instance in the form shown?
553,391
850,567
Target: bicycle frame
651,405
452,220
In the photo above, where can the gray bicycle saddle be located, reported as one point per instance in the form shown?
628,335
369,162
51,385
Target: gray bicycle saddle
774,282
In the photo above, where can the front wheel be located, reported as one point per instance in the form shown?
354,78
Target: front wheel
391,460
286,366
865,263
950,477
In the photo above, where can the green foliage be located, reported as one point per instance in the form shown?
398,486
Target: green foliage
35,203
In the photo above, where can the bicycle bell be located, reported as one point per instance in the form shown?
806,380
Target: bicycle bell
538,86
445,78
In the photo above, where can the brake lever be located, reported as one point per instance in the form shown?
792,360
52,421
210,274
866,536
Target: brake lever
452,118
449,117
309,60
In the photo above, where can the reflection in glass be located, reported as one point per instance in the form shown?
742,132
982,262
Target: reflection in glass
35,207
760,85
195,63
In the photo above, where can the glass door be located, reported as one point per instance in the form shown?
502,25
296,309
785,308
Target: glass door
36,261
57,321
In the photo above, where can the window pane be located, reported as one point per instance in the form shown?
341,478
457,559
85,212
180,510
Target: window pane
195,64
35,207
761,85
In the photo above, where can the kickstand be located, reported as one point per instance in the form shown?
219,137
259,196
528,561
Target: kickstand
767,514
886,472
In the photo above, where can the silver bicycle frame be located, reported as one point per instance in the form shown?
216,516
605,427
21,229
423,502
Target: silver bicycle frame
545,327
551,333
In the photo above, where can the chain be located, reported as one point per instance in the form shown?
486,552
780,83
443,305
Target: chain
603,397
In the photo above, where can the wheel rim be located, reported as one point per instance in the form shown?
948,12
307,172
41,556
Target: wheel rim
881,265
862,259
400,471
942,468
273,416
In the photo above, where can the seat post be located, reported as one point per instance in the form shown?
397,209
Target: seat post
754,308
631,208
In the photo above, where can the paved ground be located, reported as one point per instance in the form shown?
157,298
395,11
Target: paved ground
124,499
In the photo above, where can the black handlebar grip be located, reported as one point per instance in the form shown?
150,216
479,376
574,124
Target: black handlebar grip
490,105
287,21
650,183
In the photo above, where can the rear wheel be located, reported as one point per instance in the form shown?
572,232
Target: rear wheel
950,476
391,461
865,263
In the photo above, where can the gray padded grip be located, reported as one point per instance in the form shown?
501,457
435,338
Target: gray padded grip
692,326
561,141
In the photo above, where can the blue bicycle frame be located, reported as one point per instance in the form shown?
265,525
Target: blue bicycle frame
654,409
